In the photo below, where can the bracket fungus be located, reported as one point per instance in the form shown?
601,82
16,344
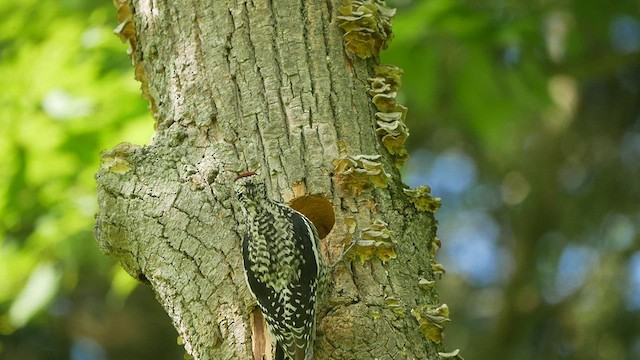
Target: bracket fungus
422,199
367,26
376,240
432,320
359,172
390,117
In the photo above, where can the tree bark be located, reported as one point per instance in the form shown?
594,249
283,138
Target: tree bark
262,86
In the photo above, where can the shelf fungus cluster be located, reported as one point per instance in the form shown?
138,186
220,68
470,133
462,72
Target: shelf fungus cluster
367,26
375,241
455,355
357,173
390,125
432,320
127,33
117,160
422,199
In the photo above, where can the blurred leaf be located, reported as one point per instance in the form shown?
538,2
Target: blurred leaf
122,284
39,290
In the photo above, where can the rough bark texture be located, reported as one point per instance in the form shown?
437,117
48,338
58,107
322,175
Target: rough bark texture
256,86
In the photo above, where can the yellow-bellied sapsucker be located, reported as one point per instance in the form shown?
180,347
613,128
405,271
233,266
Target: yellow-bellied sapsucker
284,268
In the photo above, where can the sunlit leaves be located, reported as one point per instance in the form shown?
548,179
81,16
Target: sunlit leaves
66,97
38,291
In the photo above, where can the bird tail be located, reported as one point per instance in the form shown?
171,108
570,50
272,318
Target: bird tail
279,352
293,352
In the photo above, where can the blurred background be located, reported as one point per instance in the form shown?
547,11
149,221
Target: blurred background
524,118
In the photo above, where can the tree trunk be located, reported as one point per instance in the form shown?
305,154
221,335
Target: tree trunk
266,86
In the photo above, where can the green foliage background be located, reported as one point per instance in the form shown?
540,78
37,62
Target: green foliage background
538,100
67,93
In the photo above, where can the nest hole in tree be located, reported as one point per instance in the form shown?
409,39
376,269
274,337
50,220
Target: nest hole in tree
317,209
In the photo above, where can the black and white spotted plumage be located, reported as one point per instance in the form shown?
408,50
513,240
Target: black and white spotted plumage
283,266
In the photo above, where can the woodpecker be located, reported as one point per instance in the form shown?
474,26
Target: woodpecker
284,268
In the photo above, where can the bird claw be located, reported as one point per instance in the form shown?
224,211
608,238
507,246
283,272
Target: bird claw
343,254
